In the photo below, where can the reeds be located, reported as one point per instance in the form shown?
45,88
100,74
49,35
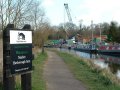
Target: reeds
105,74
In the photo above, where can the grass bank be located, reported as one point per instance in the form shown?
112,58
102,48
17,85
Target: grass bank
92,78
38,83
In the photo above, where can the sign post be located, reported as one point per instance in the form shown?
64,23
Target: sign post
26,78
8,81
20,56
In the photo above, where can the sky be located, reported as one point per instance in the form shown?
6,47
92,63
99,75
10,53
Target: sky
83,11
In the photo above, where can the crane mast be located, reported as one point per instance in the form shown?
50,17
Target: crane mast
68,12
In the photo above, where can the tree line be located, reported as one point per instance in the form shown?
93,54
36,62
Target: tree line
69,30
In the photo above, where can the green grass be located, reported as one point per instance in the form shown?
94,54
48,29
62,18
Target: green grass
93,79
38,83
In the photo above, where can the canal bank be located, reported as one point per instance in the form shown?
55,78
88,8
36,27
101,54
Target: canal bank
93,77
111,63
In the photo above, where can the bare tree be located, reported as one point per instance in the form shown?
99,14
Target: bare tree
19,12
41,34
37,14
1,14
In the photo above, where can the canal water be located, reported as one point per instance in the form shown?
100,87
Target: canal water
104,61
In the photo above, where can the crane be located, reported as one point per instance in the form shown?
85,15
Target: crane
68,33
68,12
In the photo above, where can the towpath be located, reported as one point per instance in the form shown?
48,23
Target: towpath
58,76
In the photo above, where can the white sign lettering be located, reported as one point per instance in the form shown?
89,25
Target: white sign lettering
21,57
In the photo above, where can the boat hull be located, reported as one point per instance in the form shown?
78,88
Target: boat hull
85,50
109,52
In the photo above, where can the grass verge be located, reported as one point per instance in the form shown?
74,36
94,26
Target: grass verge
92,78
38,82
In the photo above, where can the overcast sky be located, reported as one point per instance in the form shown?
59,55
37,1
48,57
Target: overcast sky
86,10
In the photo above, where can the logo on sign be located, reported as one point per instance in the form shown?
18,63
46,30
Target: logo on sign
21,36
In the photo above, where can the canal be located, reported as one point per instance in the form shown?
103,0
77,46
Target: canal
103,61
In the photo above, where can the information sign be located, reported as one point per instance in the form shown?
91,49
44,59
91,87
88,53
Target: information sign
21,51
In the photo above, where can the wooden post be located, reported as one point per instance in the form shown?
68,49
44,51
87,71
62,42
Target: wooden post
8,82
11,54
26,81
26,78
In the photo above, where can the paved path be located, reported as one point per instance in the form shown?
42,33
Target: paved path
58,76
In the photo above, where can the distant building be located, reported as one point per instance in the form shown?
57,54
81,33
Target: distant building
96,38
103,37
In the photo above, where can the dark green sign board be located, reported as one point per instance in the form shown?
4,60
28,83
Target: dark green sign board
21,51
21,56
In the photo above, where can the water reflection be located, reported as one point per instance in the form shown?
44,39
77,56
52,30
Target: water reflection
114,67
104,61
118,74
101,64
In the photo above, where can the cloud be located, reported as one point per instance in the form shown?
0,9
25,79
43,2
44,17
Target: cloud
99,10
48,3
